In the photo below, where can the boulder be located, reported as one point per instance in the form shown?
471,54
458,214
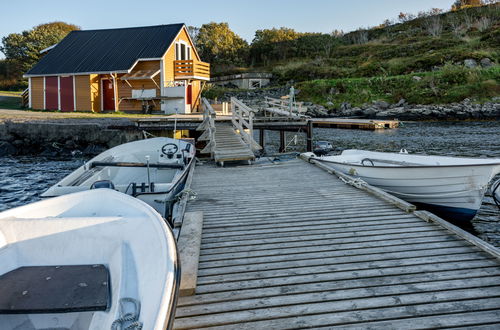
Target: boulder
7,149
486,63
381,105
417,78
470,63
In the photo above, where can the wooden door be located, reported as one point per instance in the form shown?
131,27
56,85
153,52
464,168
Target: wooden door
67,95
51,93
108,95
189,94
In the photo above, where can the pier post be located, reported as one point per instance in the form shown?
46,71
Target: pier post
309,131
262,138
282,141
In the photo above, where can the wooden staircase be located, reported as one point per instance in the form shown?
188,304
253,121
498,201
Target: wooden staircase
229,145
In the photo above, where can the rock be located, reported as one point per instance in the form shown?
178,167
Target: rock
330,104
417,78
486,63
400,103
7,149
70,144
345,106
370,111
470,63
381,105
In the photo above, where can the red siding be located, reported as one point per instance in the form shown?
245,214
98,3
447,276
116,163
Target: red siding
67,96
51,93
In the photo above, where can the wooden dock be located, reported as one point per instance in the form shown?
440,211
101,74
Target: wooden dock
229,146
288,245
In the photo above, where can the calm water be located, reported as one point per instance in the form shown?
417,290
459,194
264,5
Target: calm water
23,179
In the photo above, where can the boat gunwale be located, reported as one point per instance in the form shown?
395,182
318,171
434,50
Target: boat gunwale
404,166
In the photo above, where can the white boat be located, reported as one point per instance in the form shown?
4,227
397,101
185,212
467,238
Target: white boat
152,170
451,187
83,260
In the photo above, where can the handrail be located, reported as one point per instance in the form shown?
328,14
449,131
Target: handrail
283,107
208,126
25,98
191,68
242,119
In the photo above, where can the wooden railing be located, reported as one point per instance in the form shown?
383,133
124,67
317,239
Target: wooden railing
25,98
208,127
243,121
282,107
186,69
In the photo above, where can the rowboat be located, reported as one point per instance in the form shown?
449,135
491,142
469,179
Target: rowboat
152,170
83,261
450,187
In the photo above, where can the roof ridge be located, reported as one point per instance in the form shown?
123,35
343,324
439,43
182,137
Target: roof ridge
129,28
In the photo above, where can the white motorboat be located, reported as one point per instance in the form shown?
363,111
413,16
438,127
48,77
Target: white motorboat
451,187
83,261
152,170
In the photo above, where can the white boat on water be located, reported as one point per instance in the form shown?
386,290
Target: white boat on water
451,187
84,260
152,170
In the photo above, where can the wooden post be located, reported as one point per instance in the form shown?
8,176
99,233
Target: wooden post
282,141
309,146
262,138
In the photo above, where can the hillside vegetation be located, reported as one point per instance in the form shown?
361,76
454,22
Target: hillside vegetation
420,59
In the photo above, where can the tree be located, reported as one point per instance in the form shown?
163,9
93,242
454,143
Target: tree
460,4
218,44
22,50
273,43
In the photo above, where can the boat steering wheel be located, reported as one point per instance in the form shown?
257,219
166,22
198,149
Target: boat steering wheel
169,149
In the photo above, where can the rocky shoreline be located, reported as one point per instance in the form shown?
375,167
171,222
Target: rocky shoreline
63,138
465,110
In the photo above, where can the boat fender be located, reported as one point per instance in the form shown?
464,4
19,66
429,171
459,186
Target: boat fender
494,187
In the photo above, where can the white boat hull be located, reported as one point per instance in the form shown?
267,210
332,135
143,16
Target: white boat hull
156,185
451,190
100,226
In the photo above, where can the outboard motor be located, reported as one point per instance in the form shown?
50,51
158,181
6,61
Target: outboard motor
102,184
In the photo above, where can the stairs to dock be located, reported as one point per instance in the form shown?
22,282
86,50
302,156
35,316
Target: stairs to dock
229,145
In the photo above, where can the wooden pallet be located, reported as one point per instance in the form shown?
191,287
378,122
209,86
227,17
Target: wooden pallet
291,246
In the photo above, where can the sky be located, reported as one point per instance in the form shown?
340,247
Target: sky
244,17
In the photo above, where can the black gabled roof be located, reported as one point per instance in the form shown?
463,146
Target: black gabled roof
107,50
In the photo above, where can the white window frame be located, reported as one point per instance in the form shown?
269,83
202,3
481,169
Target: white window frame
178,49
251,81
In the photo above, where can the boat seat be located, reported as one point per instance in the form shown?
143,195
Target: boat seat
55,289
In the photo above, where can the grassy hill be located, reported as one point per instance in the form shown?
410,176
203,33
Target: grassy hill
421,60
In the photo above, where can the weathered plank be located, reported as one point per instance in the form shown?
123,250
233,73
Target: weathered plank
189,251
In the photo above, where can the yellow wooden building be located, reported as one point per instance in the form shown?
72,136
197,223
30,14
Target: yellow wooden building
154,68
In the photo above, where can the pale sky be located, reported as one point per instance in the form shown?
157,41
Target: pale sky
244,17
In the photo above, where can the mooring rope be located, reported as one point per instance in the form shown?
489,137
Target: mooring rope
132,318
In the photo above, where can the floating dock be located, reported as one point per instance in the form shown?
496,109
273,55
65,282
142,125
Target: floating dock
289,245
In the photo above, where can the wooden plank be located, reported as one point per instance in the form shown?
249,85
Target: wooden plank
189,251
348,312
483,268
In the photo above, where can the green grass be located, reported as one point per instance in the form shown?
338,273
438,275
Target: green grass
10,101
451,84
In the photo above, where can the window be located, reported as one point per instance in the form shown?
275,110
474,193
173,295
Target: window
182,51
255,84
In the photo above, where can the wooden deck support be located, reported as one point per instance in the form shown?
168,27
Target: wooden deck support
282,141
310,136
262,138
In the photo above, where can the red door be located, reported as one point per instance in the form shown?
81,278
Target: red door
51,93
67,97
189,95
108,95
